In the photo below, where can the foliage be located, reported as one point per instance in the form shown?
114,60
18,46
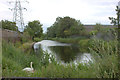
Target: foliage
104,33
82,43
68,40
44,36
14,60
37,39
9,25
65,27
26,47
115,20
25,37
34,29
69,71
98,27
94,32
104,53
106,58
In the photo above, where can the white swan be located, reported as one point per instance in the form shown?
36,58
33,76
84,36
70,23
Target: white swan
29,69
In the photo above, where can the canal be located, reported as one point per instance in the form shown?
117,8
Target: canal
63,52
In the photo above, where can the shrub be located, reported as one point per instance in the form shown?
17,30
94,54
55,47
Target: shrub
37,39
106,58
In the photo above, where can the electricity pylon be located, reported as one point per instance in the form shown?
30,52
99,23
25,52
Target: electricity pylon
18,15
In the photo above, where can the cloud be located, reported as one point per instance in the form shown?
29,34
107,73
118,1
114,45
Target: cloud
46,11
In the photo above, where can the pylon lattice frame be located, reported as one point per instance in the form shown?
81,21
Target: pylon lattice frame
18,15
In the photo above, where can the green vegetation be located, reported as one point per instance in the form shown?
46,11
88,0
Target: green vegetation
106,54
9,25
67,40
34,29
15,59
82,43
98,27
65,27
115,21
38,39
16,56
105,64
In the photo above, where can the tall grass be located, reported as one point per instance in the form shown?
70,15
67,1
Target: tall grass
105,64
106,58
14,60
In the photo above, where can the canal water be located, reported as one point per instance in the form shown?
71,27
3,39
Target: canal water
63,52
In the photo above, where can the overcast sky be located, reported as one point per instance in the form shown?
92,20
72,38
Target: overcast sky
46,11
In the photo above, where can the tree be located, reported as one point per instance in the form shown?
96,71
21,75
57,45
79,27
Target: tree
34,29
9,25
65,27
115,21
51,32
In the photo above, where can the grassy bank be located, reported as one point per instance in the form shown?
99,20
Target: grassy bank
14,59
68,40
82,43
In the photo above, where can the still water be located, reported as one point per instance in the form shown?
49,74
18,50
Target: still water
63,52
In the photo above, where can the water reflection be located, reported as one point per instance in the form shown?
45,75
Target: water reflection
63,52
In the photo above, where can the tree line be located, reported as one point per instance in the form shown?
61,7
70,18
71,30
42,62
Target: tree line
32,29
63,27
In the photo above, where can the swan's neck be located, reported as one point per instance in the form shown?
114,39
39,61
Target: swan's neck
31,65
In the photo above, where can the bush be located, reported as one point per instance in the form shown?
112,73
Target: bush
84,44
106,58
37,39
93,32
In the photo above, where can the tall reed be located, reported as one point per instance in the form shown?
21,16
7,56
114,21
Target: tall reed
106,58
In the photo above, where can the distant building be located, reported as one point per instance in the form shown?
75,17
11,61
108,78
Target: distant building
91,27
